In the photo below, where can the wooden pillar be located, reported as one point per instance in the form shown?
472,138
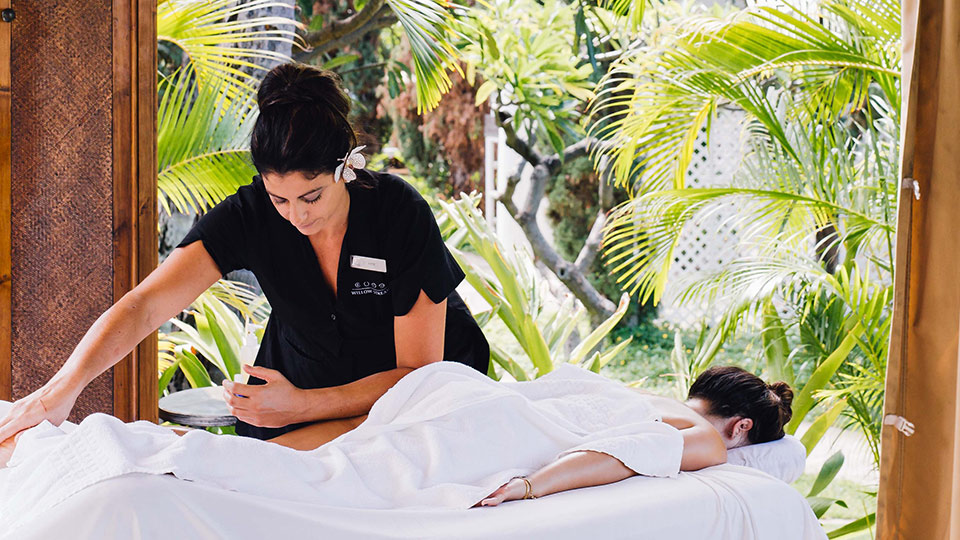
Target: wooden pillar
82,190
135,190
5,134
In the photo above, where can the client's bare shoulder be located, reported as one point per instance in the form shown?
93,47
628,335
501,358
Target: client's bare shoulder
674,412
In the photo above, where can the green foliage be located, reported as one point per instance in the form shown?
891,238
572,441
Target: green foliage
804,400
361,66
780,202
524,51
221,319
430,27
820,505
858,525
811,204
656,98
420,154
212,39
813,197
573,195
776,350
201,143
520,298
206,107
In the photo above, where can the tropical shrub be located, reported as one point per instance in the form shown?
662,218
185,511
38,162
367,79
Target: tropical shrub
222,329
524,51
540,322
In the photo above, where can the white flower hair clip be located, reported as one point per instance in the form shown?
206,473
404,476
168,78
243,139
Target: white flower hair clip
353,160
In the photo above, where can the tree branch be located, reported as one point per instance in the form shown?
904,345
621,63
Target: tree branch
606,184
573,151
577,149
508,190
598,305
538,189
518,145
338,29
588,253
573,275
374,16
591,247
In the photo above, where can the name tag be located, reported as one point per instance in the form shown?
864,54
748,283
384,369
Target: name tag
368,263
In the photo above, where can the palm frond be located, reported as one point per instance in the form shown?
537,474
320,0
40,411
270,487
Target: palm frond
654,101
201,143
431,26
212,36
631,11
643,232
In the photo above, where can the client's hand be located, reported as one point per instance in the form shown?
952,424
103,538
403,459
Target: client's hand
44,404
275,404
513,490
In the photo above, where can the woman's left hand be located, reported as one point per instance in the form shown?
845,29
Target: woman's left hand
511,491
6,449
275,404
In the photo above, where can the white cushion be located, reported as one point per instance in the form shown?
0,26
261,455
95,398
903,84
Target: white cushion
784,458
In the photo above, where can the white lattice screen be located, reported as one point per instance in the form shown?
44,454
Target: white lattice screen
703,247
710,242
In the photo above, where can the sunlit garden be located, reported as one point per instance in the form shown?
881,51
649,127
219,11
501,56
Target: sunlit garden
643,189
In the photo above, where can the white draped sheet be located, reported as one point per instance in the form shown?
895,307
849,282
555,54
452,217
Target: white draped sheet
441,439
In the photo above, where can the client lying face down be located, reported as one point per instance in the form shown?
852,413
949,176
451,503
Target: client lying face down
444,435
725,404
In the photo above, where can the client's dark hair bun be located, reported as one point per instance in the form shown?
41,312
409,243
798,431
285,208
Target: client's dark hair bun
784,399
302,124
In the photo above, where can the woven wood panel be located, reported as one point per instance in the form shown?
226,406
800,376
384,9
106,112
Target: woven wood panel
62,208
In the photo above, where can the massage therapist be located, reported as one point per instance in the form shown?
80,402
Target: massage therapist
352,262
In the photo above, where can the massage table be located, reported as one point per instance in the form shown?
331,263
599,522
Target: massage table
722,502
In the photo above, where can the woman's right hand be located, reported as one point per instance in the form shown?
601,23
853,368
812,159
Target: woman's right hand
44,404
169,289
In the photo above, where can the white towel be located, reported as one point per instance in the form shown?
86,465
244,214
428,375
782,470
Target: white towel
443,436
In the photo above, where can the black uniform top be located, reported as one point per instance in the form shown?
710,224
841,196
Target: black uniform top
317,339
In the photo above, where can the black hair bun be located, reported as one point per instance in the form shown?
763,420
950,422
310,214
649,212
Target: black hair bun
785,395
294,84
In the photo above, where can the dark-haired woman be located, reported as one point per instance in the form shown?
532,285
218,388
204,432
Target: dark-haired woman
352,262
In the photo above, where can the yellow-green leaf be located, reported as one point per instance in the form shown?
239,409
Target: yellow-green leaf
484,91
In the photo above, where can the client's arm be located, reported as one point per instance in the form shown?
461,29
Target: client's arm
702,447
572,471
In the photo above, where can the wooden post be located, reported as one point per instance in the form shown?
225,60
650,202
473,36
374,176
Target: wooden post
5,275
134,190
